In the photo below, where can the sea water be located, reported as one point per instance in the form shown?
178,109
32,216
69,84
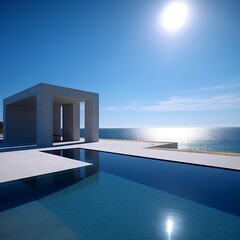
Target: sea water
225,139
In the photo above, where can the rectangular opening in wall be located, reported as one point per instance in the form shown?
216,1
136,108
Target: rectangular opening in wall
82,119
61,122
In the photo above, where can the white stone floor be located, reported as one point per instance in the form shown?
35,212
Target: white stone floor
27,163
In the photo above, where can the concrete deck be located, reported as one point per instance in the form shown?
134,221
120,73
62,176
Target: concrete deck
27,163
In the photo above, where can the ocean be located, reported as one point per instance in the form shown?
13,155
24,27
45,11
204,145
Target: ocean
225,139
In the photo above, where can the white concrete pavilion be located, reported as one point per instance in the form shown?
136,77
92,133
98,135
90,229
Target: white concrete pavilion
34,115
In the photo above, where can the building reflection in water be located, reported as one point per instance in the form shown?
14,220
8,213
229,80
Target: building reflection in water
81,155
22,191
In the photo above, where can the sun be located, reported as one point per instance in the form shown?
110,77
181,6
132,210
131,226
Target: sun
174,16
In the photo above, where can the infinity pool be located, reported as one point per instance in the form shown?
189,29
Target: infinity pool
123,197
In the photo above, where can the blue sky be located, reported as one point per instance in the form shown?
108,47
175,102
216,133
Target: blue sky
146,77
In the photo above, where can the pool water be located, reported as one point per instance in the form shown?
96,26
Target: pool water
122,197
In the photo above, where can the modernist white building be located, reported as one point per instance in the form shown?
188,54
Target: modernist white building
34,115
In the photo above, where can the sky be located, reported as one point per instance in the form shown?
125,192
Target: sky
145,76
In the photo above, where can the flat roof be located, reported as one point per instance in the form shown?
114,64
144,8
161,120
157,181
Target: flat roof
60,94
28,163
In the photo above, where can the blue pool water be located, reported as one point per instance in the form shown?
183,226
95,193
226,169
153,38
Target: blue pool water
226,139
122,197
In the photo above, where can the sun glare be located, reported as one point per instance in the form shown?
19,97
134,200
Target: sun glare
175,16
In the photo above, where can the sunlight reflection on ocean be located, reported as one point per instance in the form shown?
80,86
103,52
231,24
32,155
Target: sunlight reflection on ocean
211,139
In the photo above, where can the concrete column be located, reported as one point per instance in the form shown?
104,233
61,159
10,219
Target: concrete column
92,120
71,122
44,120
57,123
76,121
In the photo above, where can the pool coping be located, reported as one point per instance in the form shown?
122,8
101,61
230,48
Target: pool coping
198,151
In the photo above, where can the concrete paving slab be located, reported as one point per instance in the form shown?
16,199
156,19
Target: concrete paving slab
29,163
